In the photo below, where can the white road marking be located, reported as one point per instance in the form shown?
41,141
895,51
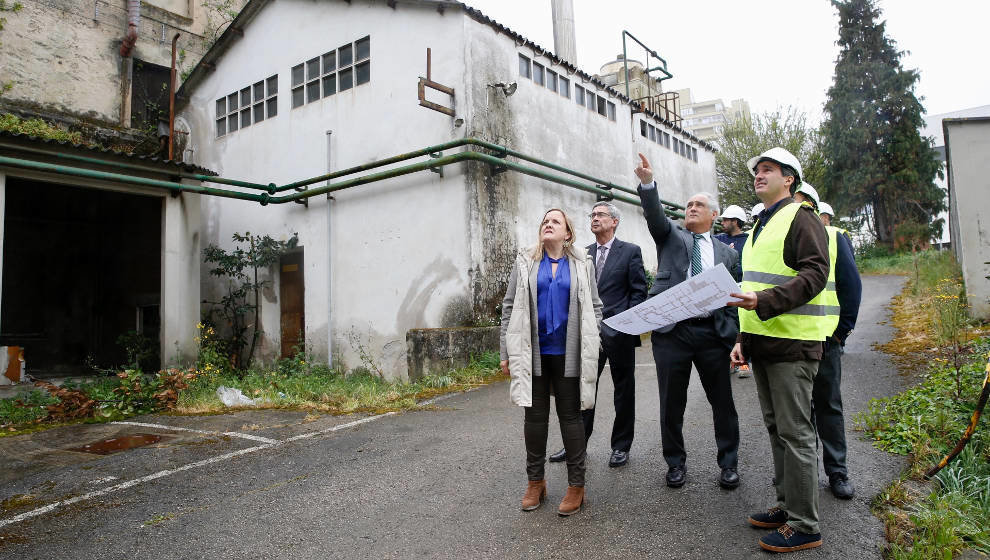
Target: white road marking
178,429
169,472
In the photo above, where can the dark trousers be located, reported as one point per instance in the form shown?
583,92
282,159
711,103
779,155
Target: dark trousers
827,399
621,356
695,342
567,394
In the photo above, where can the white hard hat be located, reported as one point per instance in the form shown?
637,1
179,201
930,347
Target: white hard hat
825,208
756,209
733,211
809,191
781,157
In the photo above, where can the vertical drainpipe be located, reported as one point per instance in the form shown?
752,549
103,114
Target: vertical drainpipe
126,62
329,254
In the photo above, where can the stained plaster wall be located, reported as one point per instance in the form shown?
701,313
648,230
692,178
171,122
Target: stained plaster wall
62,56
421,250
506,208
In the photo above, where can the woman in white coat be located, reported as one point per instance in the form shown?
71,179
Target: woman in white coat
549,343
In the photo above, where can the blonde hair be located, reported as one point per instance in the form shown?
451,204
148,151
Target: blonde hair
536,253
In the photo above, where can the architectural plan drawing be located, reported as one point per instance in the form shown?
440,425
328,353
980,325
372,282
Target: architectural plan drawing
695,296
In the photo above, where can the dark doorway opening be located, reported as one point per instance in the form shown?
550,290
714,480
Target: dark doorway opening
291,295
149,95
81,277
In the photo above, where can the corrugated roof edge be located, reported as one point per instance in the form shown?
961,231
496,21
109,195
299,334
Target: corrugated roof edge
165,164
253,7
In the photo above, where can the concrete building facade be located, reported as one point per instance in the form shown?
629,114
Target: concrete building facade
706,119
967,143
77,75
424,249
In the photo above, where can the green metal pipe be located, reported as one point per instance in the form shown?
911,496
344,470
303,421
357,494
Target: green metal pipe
531,159
263,198
374,177
448,160
137,167
375,164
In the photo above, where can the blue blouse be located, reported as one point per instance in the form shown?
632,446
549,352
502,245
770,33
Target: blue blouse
553,296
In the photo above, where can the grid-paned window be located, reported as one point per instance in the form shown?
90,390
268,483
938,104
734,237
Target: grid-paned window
249,105
525,67
335,71
551,80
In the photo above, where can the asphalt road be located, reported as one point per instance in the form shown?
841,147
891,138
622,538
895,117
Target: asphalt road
437,483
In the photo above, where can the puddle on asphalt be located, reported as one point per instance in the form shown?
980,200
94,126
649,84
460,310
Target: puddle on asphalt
123,443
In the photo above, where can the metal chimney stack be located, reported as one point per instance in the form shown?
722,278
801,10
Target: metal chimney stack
564,40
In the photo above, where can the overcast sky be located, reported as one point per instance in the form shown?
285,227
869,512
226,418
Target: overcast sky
772,53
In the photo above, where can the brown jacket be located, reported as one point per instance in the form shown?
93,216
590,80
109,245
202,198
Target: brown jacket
806,251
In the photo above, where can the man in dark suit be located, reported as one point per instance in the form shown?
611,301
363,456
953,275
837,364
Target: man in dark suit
704,341
621,285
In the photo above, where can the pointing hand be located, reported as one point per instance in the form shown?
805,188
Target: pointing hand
644,171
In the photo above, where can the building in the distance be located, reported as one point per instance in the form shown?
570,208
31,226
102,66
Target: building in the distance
707,119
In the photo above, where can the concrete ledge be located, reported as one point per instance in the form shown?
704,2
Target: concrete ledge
436,351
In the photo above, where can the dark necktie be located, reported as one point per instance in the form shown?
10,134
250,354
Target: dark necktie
601,261
696,254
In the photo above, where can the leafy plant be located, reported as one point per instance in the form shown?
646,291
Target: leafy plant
39,128
239,309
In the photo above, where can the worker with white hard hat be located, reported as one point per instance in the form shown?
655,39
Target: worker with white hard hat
757,208
827,394
785,314
733,219
807,193
733,235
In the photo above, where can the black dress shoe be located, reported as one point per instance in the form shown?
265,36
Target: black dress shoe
558,456
729,479
618,458
841,487
675,476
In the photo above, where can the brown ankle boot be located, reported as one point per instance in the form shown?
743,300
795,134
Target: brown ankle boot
536,494
572,502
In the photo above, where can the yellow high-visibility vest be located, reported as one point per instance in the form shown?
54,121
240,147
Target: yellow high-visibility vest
763,268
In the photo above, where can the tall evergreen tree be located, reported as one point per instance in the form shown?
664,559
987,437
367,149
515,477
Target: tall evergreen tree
878,164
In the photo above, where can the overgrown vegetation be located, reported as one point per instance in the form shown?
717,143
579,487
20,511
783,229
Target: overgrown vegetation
39,128
925,421
297,382
239,311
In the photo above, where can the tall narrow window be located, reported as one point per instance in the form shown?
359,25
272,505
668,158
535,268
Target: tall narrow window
525,70
551,80
579,95
565,87
538,73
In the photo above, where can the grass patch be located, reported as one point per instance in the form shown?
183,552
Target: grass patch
325,390
934,337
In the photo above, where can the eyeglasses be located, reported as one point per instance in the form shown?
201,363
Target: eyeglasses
599,215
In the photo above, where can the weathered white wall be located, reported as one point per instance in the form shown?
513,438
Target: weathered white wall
398,251
967,145
179,308
419,250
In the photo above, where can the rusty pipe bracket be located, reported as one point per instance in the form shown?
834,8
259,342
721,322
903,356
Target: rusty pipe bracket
303,201
428,82
437,170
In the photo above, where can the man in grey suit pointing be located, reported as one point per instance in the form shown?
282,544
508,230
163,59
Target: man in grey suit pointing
704,341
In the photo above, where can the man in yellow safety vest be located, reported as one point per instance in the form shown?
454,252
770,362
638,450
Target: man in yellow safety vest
787,309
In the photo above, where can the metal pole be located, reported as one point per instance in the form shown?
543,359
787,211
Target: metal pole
171,102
